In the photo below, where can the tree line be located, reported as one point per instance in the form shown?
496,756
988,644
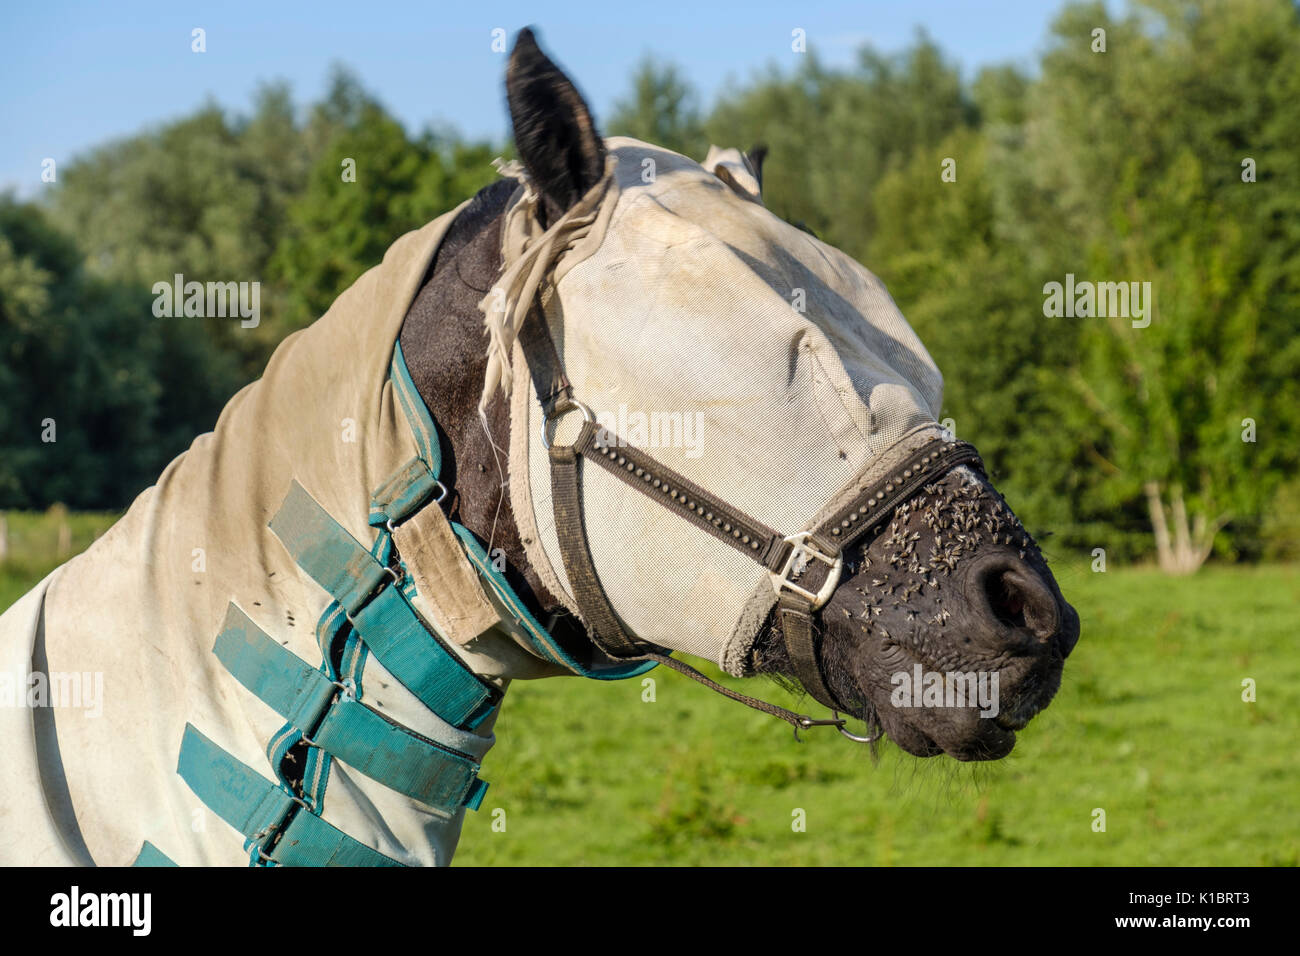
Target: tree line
1153,153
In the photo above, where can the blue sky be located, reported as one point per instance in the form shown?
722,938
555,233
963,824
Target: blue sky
73,75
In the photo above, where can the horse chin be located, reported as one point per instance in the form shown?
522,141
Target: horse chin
961,733
983,729
985,740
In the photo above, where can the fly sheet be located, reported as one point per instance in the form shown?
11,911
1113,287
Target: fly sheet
87,781
756,361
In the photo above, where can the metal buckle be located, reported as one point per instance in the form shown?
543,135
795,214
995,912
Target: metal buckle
562,408
347,690
264,858
807,723
437,499
264,836
801,552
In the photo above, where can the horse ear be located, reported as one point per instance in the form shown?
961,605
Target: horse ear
754,158
555,135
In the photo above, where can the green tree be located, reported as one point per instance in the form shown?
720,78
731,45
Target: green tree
1141,151
369,184
96,395
834,134
968,294
204,197
661,108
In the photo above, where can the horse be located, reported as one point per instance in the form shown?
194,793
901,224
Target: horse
694,428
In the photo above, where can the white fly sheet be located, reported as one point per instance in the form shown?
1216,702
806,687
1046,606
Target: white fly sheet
142,607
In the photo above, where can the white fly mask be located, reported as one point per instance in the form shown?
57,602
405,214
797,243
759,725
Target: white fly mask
756,361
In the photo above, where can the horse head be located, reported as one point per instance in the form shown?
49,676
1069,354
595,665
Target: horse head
760,477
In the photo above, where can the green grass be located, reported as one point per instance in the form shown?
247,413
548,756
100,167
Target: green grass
1149,726
33,539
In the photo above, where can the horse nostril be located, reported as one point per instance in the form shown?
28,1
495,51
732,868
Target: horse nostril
1005,600
1016,598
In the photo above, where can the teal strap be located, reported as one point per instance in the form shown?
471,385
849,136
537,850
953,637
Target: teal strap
334,633
402,493
334,559
398,638
417,415
332,628
308,780
150,855
540,638
259,809
387,622
337,723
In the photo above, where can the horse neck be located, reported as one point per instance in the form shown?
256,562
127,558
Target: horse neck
443,342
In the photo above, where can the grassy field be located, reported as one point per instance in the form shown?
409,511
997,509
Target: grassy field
35,546
1149,726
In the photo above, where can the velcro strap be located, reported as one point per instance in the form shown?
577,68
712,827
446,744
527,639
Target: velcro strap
382,749
444,576
396,636
383,616
279,677
258,809
325,550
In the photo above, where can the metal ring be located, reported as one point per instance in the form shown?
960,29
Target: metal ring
561,409
854,737
348,686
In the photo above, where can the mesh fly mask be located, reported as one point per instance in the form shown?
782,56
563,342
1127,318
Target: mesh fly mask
789,405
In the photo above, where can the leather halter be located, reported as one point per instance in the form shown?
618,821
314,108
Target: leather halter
806,565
